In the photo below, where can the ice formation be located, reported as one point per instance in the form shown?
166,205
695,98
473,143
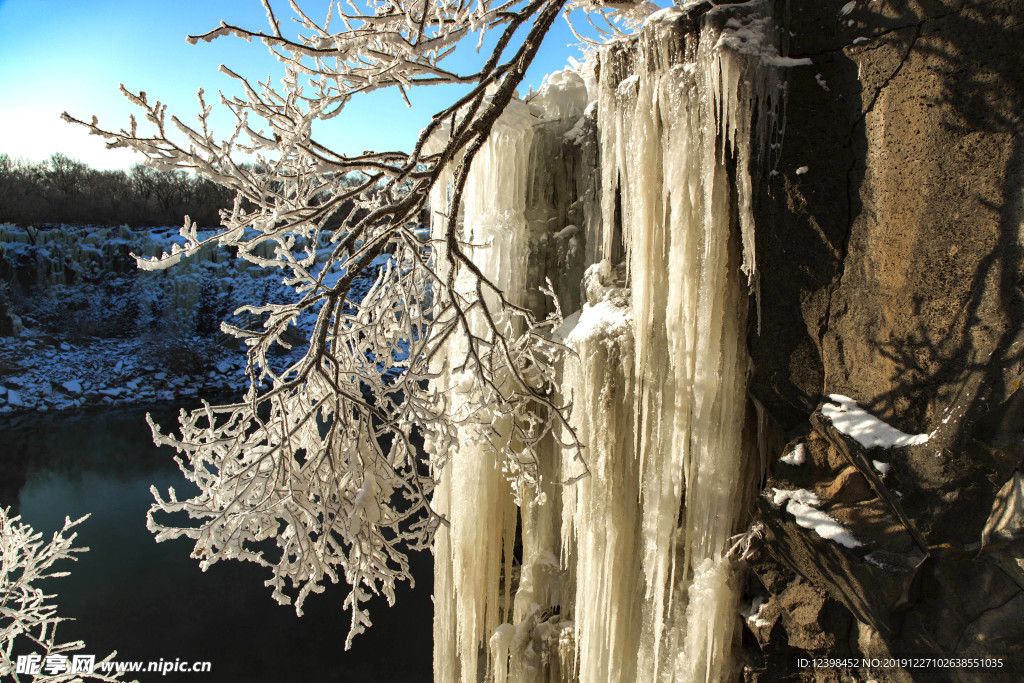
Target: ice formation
601,535
624,573
472,555
665,133
755,617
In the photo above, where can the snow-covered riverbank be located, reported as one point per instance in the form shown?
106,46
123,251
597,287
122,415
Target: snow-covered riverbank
43,373
86,327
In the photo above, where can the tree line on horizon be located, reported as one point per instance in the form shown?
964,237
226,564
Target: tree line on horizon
65,190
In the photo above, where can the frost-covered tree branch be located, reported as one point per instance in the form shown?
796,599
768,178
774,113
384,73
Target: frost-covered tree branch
28,618
321,456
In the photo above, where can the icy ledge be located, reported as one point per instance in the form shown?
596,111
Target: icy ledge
852,420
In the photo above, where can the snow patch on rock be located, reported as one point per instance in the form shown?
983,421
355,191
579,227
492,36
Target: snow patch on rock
72,386
802,505
870,432
796,457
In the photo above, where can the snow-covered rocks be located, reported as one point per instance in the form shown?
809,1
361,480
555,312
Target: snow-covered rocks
97,330
100,371
72,386
14,399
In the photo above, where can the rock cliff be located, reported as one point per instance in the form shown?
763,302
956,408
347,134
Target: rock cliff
889,246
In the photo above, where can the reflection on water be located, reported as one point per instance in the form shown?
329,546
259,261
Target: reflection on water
150,601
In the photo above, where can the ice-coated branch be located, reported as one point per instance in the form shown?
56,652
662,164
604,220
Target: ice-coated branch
28,617
319,473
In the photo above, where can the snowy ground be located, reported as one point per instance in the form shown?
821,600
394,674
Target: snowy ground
44,373
94,330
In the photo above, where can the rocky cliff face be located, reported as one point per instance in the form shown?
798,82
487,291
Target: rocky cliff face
889,242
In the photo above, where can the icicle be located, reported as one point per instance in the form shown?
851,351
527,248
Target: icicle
473,554
687,234
600,514
645,588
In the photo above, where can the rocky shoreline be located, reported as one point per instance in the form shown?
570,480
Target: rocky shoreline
41,373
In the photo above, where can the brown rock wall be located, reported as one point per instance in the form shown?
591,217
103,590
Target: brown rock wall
890,241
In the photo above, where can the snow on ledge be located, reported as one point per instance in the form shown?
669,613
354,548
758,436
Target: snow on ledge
852,420
801,504
796,457
756,616
606,319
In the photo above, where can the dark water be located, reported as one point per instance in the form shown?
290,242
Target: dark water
150,601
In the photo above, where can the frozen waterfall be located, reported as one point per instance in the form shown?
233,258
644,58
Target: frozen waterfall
620,570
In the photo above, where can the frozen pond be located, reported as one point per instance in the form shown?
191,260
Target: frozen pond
150,601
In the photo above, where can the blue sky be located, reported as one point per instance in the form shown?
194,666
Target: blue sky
58,55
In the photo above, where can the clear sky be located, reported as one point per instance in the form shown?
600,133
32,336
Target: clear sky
70,55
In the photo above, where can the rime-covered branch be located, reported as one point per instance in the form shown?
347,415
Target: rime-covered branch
321,457
28,617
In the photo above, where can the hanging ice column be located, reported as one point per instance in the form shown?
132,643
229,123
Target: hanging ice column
472,556
668,134
626,574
